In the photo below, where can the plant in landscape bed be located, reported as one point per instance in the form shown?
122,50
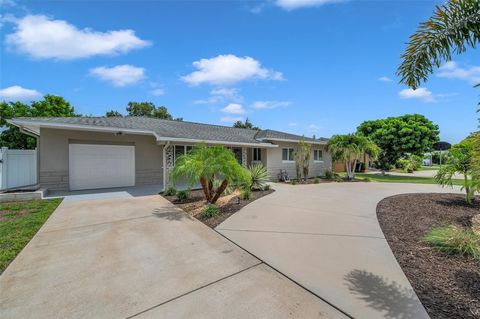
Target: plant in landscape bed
19,221
455,240
210,211
205,164
259,176
328,174
266,187
182,195
171,191
316,180
294,182
246,194
367,179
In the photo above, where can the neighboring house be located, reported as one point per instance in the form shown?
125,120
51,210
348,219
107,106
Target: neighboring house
100,152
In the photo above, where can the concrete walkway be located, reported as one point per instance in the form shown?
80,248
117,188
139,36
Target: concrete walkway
327,238
124,257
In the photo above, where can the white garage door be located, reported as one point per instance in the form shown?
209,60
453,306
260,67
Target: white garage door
101,166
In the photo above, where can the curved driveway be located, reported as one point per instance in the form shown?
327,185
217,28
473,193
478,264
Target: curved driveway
327,238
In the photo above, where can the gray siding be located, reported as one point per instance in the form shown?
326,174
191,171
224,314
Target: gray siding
53,155
275,163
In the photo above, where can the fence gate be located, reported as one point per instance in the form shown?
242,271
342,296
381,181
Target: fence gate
17,168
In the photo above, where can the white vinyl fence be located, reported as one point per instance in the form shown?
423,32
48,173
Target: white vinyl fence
17,168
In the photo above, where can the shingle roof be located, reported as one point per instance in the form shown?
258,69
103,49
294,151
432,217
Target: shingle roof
277,135
170,129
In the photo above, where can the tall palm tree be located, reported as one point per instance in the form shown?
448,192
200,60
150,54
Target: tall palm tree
453,27
206,164
350,149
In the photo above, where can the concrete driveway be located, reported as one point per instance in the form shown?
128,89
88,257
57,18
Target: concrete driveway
125,257
327,238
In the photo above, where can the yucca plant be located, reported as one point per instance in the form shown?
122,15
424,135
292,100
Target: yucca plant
259,176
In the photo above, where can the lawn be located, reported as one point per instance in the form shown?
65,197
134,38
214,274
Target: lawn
19,222
402,179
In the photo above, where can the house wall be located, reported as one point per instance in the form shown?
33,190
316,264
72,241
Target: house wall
53,155
275,163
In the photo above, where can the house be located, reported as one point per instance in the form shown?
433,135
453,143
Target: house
101,152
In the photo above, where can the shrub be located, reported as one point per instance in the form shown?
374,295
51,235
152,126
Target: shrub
294,181
328,174
267,187
367,179
182,195
455,240
171,191
316,180
259,176
210,211
246,194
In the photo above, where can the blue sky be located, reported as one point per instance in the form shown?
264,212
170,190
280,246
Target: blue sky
303,66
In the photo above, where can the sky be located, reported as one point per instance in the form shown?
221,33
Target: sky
312,67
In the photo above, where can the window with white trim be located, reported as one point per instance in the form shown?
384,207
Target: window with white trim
318,155
257,154
287,154
179,150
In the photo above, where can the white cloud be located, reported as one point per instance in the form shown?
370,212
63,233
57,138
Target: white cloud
228,69
7,3
157,92
219,95
120,75
313,127
230,119
421,94
43,38
18,93
233,108
451,70
259,105
292,124
295,4
385,79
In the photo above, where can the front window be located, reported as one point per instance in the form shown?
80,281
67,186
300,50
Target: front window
287,155
180,150
257,155
318,155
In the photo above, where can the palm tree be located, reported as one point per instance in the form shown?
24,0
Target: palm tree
205,165
350,149
454,26
460,161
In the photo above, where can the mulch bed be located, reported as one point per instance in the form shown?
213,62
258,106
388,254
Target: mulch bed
447,285
227,205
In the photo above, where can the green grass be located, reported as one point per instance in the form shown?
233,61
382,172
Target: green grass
402,179
19,222
434,168
454,240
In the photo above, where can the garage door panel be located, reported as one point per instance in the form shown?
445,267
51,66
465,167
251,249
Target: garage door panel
100,166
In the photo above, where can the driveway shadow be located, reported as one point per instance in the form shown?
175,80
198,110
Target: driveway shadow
171,214
394,300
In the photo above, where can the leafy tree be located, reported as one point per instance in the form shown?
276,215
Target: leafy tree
113,113
149,109
206,165
302,159
460,161
453,27
50,106
350,149
397,136
246,124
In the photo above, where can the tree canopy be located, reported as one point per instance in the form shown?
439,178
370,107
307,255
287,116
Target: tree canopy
246,124
397,136
50,105
113,113
453,27
147,109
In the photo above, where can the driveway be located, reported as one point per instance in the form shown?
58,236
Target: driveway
327,238
125,257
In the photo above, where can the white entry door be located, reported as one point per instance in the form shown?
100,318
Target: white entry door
101,166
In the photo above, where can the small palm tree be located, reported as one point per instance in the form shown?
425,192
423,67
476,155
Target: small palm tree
460,161
205,165
350,149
